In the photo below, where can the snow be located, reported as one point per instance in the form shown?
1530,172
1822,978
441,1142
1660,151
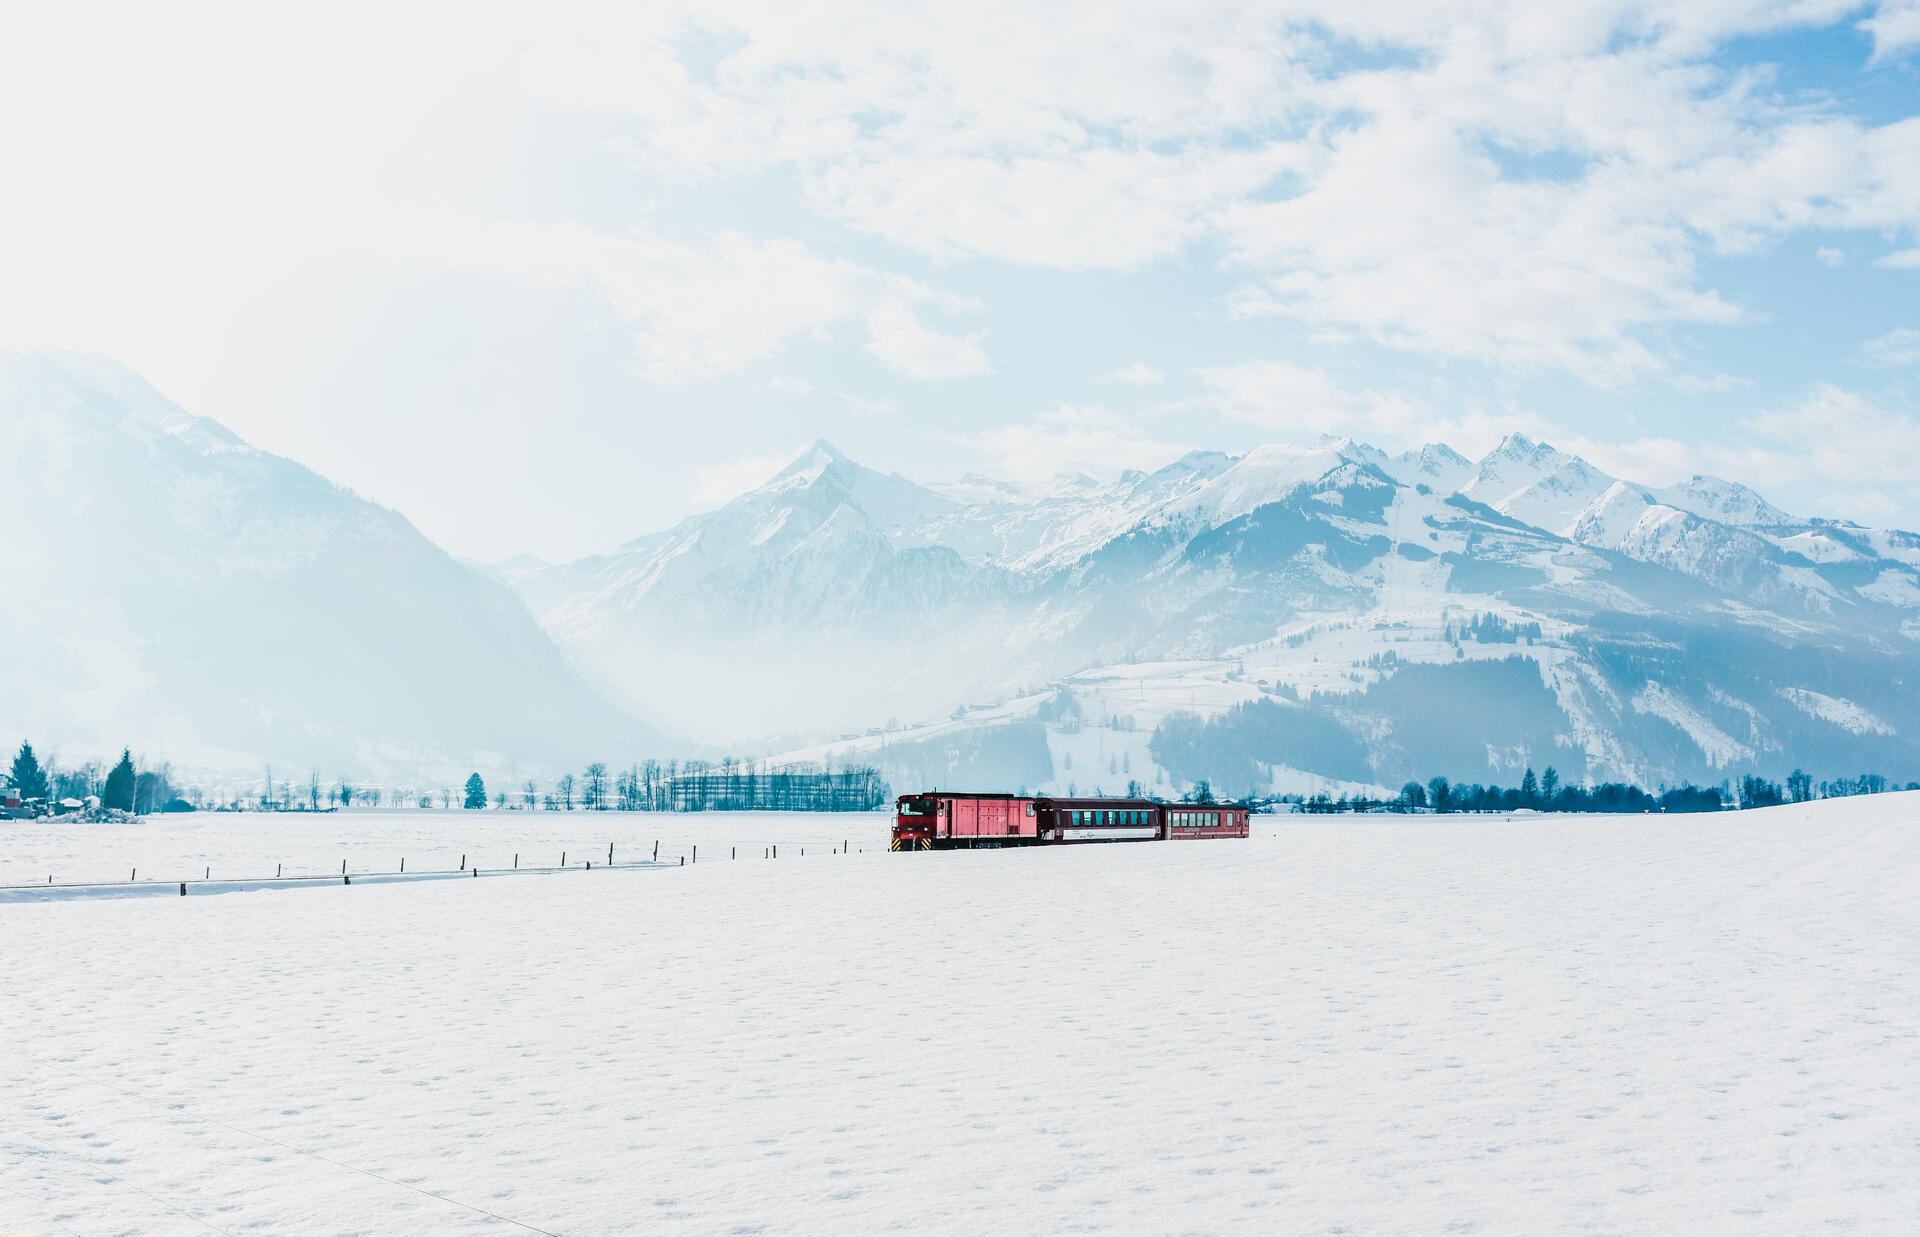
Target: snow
1893,587
1420,1025
248,845
1727,502
1264,475
1720,748
1841,712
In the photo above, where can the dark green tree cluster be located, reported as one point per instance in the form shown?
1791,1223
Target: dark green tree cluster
120,784
28,777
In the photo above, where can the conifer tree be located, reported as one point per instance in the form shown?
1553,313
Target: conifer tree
119,792
1530,789
476,792
28,777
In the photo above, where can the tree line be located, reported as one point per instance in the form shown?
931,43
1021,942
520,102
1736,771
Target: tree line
120,787
727,785
1546,793
671,785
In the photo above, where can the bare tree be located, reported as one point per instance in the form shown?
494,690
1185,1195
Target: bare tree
565,787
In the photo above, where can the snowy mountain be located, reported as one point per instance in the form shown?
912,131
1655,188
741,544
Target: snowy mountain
1316,615
171,588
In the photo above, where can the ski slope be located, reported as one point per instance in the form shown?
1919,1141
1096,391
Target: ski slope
1530,1025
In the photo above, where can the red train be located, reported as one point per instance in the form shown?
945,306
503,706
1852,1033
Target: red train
949,820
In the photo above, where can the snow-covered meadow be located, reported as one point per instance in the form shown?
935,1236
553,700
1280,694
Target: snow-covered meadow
1697,1024
249,845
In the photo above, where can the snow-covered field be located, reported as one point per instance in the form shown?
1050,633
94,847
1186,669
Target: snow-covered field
1705,1024
244,845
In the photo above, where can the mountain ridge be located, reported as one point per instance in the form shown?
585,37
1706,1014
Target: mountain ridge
200,598
1216,561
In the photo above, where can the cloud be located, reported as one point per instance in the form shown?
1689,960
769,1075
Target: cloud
1694,384
906,347
1830,256
1138,374
1840,436
1895,348
784,385
882,407
1301,402
1070,438
1895,26
700,311
715,484
1573,165
1901,260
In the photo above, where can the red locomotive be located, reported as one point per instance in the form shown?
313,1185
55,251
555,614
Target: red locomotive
949,820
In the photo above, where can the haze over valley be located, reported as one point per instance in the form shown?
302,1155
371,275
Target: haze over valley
1289,618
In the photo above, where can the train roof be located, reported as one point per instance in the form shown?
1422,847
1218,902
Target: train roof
966,794
1074,801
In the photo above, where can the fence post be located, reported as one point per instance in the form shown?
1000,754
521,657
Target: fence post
208,876
734,854
403,863
683,861
131,873
343,864
696,854
183,889
345,879
516,861
776,851
609,854
276,870
563,858
463,863
656,850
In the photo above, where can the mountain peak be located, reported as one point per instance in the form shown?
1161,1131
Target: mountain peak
811,463
1729,502
1517,446
886,498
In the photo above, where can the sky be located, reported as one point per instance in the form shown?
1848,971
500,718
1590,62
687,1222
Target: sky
548,277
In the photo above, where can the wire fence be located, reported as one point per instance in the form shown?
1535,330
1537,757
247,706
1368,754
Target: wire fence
655,854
